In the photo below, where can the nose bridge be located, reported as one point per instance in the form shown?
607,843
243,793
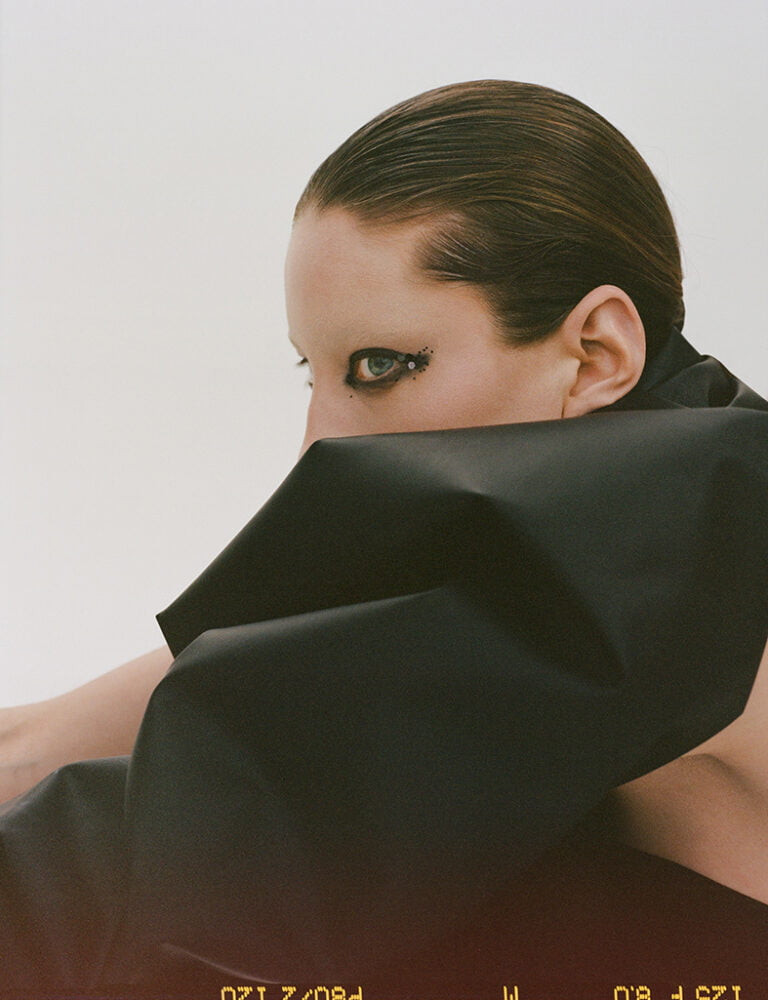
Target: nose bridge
324,418
310,430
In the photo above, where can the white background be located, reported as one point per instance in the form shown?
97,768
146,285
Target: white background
152,153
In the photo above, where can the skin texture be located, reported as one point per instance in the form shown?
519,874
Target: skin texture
98,719
473,376
708,810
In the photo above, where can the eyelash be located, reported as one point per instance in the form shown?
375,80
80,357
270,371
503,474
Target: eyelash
404,365
301,363
407,364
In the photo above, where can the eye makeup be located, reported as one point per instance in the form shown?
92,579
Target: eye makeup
379,367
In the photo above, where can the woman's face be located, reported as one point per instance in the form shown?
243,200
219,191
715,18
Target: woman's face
388,348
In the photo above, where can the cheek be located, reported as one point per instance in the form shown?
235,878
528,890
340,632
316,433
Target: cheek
529,385
495,395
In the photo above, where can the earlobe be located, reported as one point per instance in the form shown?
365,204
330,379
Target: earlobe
606,340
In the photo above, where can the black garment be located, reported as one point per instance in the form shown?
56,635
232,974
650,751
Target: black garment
397,690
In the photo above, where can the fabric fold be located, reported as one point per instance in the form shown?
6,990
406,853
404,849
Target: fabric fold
398,693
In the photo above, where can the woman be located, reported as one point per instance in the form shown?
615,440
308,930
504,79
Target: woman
406,689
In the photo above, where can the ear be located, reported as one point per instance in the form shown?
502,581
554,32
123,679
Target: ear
605,339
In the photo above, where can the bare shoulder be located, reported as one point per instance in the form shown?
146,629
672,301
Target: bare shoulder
744,744
708,810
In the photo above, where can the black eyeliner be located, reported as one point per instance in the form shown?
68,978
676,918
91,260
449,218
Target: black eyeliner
410,364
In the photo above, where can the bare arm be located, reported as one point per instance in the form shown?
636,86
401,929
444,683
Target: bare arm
99,719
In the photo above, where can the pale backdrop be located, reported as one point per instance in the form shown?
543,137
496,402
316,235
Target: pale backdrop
152,152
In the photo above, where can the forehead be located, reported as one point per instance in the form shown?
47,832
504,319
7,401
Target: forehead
344,276
333,247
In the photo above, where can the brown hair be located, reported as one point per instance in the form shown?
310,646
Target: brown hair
537,199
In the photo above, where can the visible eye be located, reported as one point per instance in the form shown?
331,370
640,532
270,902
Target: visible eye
379,366
374,366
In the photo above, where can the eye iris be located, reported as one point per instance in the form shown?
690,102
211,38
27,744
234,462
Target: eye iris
377,365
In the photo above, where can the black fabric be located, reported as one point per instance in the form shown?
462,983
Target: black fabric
397,693
679,376
62,877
